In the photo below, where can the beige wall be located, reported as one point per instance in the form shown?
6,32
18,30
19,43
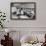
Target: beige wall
40,14
26,25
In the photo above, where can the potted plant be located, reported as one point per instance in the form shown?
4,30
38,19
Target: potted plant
2,19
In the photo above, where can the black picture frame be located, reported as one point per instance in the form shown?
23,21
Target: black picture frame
27,10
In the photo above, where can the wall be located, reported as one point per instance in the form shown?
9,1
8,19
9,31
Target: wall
26,25
40,14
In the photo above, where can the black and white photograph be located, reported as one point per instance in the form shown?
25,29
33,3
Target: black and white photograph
23,10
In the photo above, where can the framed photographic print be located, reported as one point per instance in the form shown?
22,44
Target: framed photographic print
23,10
